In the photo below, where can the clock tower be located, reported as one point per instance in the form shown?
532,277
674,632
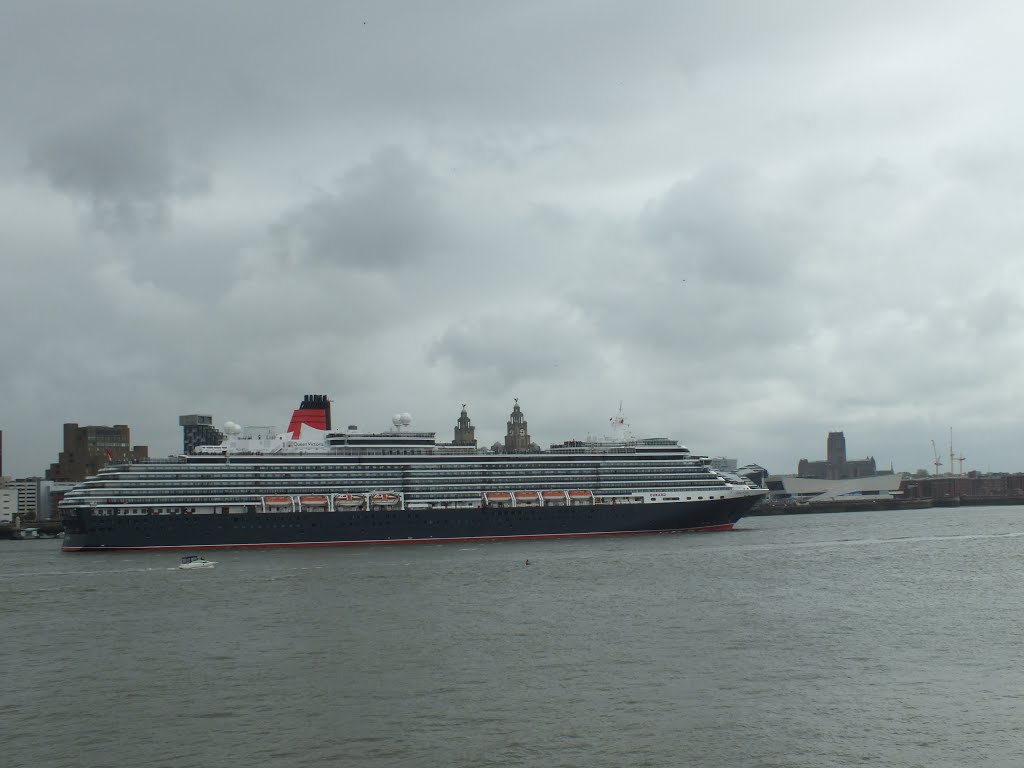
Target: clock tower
517,438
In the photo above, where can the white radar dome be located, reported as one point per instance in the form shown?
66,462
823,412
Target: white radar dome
230,428
406,419
396,419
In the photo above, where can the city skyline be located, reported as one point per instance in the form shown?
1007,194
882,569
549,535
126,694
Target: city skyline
187,429
750,223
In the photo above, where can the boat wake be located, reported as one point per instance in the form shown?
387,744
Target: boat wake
873,541
75,573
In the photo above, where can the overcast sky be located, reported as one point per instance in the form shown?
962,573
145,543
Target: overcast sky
750,222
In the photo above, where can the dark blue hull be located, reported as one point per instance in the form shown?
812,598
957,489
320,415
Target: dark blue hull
86,531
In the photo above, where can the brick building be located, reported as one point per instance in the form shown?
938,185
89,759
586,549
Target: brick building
87,449
973,484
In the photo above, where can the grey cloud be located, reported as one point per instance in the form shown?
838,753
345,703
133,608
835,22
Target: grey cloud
712,270
383,214
994,313
222,73
510,346
714,226
999,164
509,152
751,222
123,170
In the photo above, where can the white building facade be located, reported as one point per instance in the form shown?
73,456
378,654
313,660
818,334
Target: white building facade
28,497
8,504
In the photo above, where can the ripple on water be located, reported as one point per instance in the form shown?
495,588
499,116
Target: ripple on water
812,641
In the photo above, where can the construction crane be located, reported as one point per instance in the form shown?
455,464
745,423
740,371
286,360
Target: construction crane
952,456
938,461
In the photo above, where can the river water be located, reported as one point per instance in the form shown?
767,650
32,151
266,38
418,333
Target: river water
889,639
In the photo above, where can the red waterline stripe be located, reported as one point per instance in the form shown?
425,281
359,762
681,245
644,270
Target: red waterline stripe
264,545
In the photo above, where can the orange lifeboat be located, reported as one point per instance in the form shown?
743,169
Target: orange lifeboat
384,499
348,500
553,495
526,496
277,501
314,501
579,496
497,497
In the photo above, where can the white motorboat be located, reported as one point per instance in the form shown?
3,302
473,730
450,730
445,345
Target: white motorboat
191,562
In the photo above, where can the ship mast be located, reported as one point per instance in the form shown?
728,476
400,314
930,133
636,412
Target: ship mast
620,427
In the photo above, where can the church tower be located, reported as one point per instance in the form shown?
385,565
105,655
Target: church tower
465,433
517,438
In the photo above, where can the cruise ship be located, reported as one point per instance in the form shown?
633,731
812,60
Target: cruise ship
315,485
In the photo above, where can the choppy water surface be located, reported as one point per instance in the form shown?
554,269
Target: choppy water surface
889,638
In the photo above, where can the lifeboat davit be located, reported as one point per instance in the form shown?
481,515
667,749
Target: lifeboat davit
384,499
348,500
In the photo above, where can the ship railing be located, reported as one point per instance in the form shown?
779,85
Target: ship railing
443,504
537,497
176,459
618,498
